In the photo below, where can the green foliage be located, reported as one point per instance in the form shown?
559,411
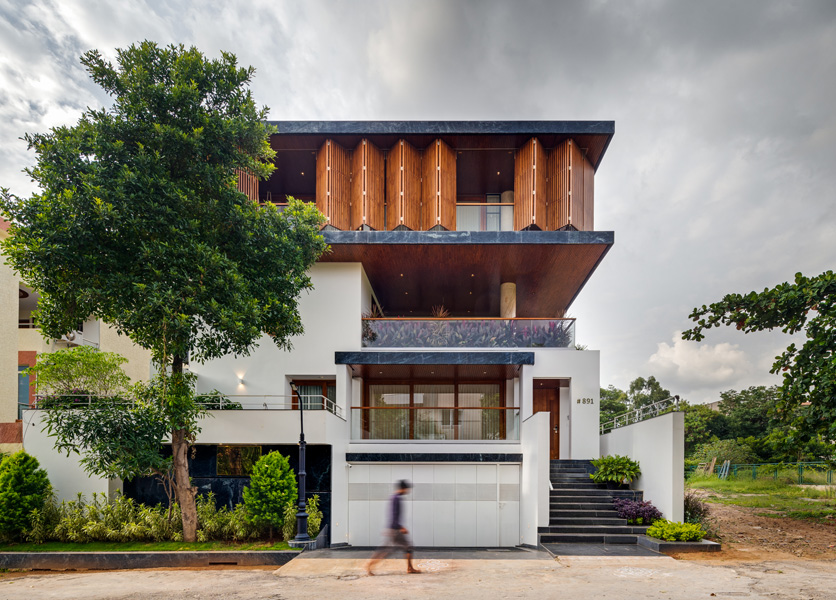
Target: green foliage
701,426
616,468
119,438
673,531
272,486
614,402
737,453
809,372
224,524
80,370
695,510
314,516
747,411
289,525
116,520
644,392
24,487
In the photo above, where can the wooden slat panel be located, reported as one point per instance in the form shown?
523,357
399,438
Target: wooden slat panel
588,196
530,186
429,186
333,175
447,185
375,182
247,184
367,182
557,188
403,186
576,209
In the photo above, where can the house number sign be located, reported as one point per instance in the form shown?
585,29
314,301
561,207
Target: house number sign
586,401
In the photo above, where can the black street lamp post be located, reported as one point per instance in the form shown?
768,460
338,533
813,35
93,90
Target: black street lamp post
302,536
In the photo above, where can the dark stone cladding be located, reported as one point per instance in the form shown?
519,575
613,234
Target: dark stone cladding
444,127
410,457
61,561
434,358
471,237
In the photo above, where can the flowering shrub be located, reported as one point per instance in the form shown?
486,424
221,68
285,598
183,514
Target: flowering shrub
672,531
637,513
490,333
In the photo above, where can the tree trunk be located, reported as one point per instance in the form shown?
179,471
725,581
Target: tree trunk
184,491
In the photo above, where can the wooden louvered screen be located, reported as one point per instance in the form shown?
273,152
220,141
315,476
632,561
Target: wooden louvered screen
333,184
530,186
403,186
247,184
571,188
439,187
367,193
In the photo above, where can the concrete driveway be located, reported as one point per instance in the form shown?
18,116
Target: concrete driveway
462,575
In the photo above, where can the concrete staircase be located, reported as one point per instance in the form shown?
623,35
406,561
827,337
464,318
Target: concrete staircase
581,511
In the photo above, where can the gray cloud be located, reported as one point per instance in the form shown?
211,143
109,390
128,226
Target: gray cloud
720,177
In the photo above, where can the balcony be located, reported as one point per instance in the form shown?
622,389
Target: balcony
468,333
484,217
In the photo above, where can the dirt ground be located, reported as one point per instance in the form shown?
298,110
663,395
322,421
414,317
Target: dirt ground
748,534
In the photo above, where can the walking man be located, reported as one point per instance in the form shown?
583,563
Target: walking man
396,533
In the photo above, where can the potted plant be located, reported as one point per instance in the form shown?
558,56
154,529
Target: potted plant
616,471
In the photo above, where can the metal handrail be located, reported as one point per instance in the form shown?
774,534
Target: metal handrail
642,413
225,401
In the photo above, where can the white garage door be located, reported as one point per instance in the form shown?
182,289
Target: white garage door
471,505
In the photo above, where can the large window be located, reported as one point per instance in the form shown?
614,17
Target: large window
435,411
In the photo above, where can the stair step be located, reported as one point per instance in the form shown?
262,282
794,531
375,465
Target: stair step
560,521
596,492
583,506
596,529
582,514
587,538
577,485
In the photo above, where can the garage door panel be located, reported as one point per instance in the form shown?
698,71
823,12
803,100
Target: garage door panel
466,523
444,523
487,530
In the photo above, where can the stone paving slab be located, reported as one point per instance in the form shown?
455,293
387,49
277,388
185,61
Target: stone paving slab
559,550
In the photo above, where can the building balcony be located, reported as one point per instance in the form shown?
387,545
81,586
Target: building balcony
484,217
468,333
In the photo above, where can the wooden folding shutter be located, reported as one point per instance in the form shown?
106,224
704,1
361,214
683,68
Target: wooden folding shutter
571,188
530,186
247,184
367,193
439,187
403,186
333,184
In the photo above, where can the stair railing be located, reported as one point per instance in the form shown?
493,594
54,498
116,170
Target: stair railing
642,413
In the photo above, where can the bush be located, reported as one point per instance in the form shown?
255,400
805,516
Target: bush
620,469
119,519
24,488
272,486
737,453
695,511
672,531
314,518
224,524
637,513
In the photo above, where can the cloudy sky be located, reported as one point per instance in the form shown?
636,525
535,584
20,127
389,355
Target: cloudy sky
721,176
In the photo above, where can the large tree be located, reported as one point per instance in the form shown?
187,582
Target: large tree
747,411
614,402
139,222
644,392
807,395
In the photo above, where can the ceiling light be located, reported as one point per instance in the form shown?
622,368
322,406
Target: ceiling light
304,173
497,172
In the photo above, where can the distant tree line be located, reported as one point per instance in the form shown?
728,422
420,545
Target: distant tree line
747,426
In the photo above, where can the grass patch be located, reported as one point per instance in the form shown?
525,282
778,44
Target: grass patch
142,546
783,498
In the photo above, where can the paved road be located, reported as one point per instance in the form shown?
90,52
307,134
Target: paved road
460,576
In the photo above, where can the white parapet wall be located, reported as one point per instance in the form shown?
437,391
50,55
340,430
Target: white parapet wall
659,446
534,505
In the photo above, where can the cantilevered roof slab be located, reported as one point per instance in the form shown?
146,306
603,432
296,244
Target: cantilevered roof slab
412,271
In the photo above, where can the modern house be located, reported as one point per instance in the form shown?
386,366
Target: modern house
437,344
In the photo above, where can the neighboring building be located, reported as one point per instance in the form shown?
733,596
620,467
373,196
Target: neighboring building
21,342
436,347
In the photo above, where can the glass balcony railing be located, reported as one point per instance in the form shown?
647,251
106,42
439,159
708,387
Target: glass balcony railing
473,424
468,333
484,217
